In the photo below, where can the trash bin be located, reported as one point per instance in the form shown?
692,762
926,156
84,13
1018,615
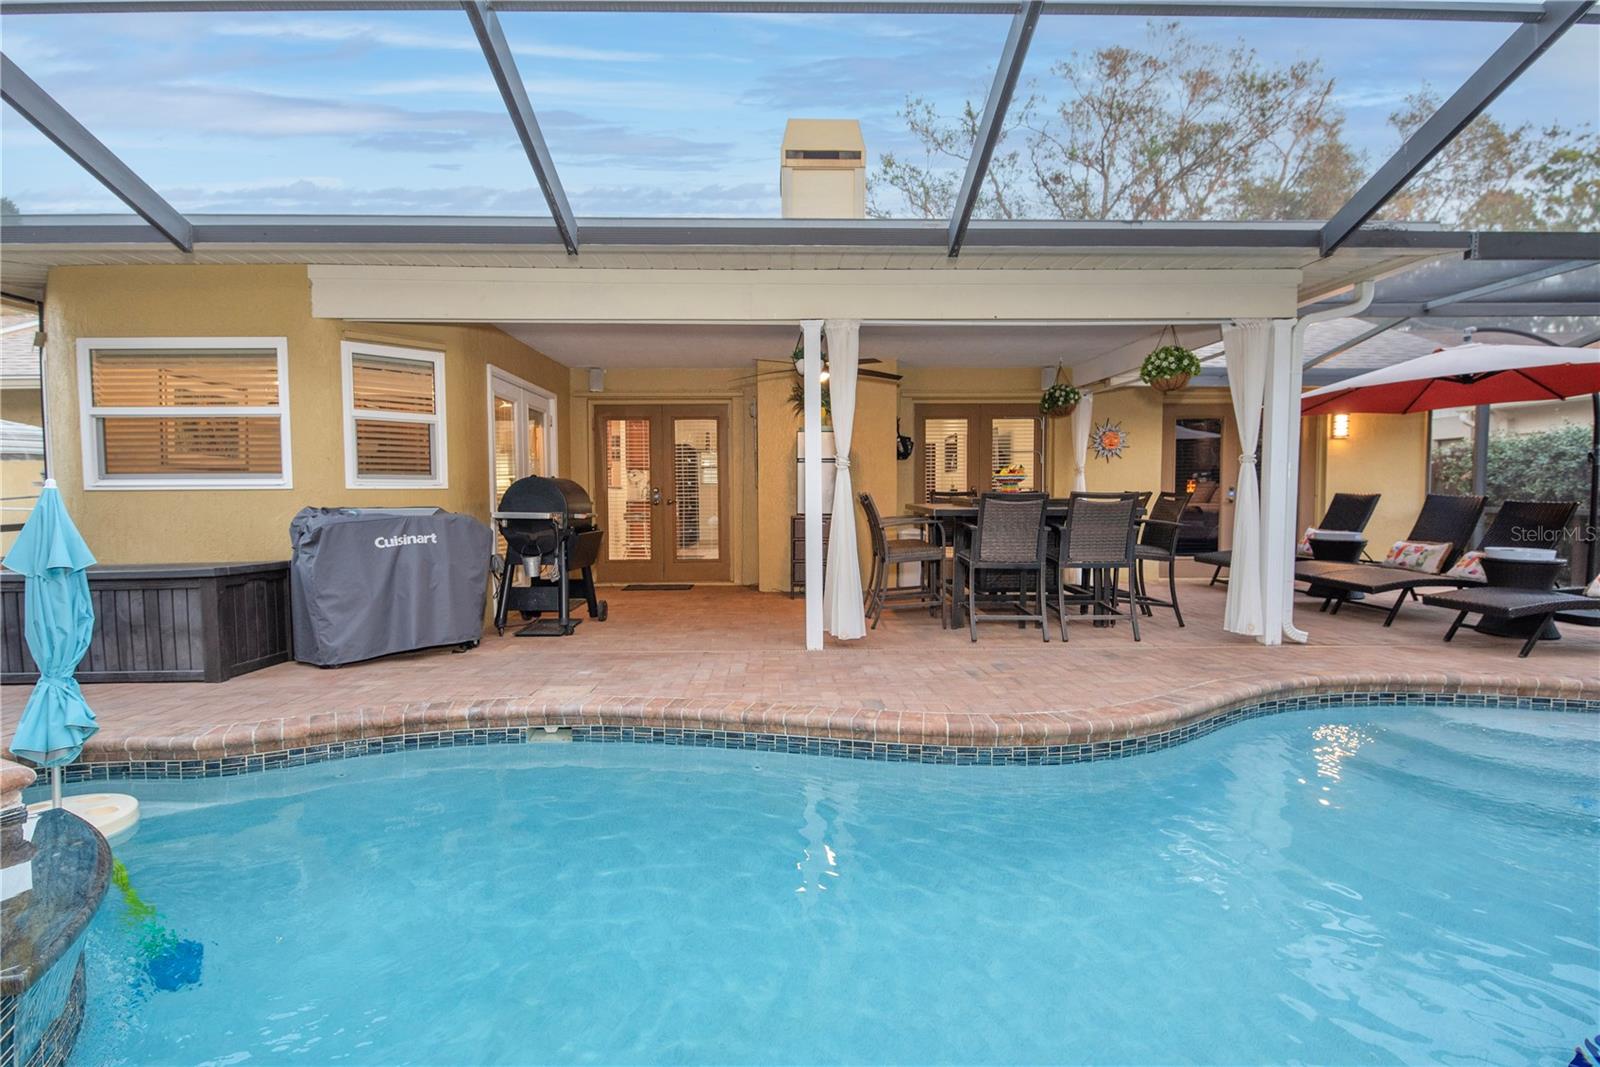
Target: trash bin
367,582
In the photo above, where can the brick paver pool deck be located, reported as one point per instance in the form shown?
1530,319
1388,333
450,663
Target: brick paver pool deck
732,659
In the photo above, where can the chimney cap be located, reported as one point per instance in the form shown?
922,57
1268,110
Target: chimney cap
824,142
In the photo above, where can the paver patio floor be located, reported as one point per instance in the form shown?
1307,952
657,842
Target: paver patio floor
732,658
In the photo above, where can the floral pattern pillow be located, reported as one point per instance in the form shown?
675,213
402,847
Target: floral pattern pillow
1425,556
1304,547
1593,588
1470,565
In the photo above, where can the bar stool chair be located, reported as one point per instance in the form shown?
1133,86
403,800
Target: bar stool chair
1158,541
926,549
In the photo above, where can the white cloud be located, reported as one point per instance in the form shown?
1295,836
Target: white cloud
389,36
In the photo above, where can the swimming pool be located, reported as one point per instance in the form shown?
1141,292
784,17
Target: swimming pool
1359,885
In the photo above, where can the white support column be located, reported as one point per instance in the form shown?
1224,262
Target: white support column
811,370
1280,450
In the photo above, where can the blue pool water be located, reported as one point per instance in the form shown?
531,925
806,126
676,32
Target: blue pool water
1354,886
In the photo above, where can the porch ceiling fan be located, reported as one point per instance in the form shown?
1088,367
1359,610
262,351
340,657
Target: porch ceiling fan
862,368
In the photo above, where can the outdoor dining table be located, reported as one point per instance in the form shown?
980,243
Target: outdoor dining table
952,513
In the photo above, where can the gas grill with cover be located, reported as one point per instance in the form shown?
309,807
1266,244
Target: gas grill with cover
551,534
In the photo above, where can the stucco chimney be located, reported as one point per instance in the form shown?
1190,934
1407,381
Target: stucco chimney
824,170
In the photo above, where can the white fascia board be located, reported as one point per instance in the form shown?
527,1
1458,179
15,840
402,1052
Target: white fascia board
605,294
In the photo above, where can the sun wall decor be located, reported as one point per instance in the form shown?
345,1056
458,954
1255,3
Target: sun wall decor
1109,440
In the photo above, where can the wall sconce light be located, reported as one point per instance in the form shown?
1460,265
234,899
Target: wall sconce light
1339,429
1189,486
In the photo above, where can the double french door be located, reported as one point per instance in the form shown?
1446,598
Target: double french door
662,492
978,448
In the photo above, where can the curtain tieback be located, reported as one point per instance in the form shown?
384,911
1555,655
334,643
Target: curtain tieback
1247,460
841,464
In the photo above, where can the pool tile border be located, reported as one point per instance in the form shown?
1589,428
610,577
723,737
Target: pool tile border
805,744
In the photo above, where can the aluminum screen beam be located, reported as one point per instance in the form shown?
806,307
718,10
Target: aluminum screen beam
1012,56
1526,44
1503,284
1402,10
1478,309
56,123
486,24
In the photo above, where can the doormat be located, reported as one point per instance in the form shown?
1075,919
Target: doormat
655,587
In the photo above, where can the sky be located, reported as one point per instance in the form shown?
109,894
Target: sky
645,115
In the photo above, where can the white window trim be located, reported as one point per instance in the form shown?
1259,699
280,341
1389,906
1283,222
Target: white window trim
441,460
89,414
552,437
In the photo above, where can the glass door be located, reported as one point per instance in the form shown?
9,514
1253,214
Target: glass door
1200,456
663,495
978,448
521,434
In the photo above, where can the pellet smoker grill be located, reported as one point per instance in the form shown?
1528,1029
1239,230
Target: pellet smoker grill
551,535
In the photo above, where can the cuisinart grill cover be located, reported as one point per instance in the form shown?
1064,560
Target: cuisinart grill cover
368,582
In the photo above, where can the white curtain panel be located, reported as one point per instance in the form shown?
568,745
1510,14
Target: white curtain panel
1247,348
842,608
1082,419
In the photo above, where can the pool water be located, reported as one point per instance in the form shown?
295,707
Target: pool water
1390,885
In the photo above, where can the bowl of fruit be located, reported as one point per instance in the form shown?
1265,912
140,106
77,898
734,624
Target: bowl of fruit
1010,479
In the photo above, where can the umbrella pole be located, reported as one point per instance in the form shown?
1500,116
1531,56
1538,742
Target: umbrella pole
55,787
1593,532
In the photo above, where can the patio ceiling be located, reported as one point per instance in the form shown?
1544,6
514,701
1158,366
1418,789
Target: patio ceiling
907,344
1536,27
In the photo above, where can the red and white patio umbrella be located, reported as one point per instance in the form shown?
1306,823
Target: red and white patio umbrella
1467,376
1462,377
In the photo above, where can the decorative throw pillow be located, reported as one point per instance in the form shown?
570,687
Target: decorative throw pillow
1593,588
1470,566
1304,547
1425,556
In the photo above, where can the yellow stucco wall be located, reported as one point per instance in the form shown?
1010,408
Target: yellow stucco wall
157,526
1385,454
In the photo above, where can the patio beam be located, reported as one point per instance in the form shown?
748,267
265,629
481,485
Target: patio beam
73,138
1006,73
1344,346
811,430
1526,44
1377,10
1526,278
503,66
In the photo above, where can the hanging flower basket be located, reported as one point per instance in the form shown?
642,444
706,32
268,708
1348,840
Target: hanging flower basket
1169,367
1059,400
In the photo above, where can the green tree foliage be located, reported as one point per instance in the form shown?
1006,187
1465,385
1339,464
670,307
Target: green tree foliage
1548,465
8,207
1180,129
1498,177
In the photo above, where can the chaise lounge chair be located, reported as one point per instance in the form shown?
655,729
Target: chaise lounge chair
1541,607
1448,519
1349,512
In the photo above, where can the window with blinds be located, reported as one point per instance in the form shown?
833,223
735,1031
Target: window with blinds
185,412
394,421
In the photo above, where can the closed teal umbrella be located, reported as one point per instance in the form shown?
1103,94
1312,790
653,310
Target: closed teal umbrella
58,620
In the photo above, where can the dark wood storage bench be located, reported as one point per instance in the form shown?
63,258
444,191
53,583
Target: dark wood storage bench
184,622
